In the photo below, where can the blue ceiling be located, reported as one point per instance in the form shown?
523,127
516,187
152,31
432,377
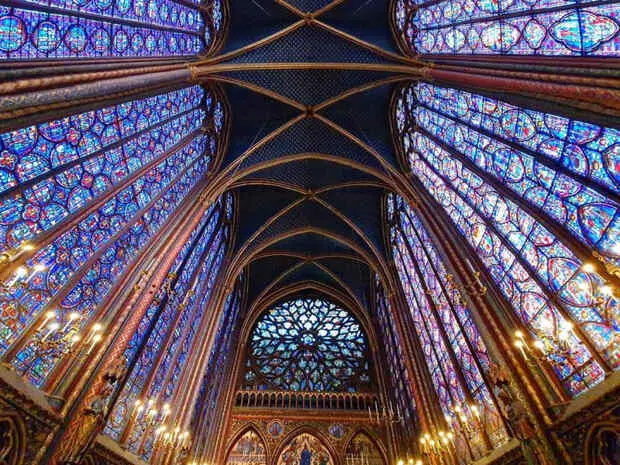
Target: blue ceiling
281,64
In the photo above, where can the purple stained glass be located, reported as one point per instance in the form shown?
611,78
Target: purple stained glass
307,344
506,27
401,382
151,155
218,363
68,163
450,318
125,28
520,254
197,266
85,296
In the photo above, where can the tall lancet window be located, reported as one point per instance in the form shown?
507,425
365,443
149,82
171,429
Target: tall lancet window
81,198
401,383
509,27
535,196
166,336
60,29
205,420
456,355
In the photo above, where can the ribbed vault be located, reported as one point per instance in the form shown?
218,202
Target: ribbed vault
310,158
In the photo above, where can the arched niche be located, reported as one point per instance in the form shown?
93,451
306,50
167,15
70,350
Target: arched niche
362,450
249,449
12,439
305,449
601,444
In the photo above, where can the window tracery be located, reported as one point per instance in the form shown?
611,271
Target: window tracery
521,27
155,376
466,159
307,344
455,353
402,386
98,29
113,176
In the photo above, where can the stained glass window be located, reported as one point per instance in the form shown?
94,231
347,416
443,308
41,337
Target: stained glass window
401,385
362,450
157,372
496,169
307,344
454,351
126,28
91,191
248,450
305,449
533,27
53,169
204,421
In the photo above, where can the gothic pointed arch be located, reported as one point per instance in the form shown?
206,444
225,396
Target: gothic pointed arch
363,449
13,439
305,446
307,343
248,447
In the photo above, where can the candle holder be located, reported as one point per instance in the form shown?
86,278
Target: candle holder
9,256
385,415
555,344
21,277
55,340
435,446
171,441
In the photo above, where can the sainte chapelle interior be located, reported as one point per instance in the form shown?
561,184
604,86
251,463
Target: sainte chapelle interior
309,232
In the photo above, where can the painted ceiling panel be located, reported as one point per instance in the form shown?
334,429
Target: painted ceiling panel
310,272
309,214
312,174
358,115
253,20
313,243
310,44
309,6
256,204
368,219
248,127
361,19
296,70
354,274
263,271
312,136
310,86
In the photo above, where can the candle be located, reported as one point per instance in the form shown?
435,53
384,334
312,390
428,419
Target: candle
48,316
53,326
520,345
94,330
35,269
95,339
70,319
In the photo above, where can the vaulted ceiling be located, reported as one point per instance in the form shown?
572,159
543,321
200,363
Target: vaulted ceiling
310,155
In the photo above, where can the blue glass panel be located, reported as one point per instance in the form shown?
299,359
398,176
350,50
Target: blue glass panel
521,27
307,345
520,254
28,33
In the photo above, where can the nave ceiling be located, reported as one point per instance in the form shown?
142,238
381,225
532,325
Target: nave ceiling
310,156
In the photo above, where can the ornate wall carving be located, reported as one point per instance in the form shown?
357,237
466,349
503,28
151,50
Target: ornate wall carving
25,423
588,433
276,432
